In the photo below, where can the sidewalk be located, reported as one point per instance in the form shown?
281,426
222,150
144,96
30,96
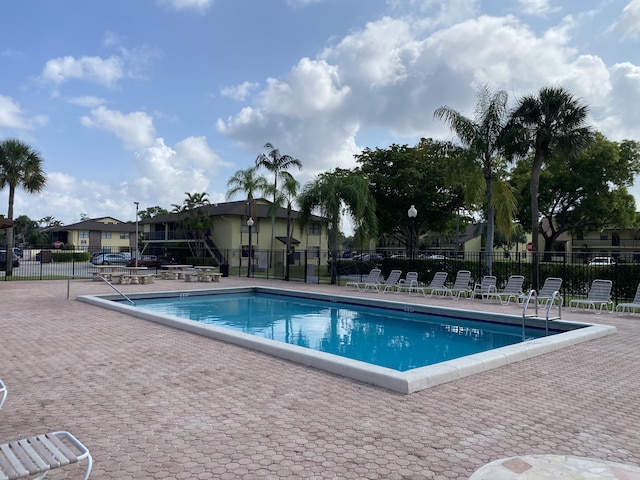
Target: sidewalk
152,402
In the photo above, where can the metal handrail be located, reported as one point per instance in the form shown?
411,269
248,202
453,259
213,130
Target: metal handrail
111,285
534,294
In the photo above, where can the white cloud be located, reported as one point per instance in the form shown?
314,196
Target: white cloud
199,6
135,129
537,7
629,24
196,152
95,69
88,101
239,92
435,13
392,75
12,116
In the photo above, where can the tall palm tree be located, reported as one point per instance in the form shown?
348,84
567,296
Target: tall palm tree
553,120
481,167
277,164
249,182
20,167
333,193
286,195
194,220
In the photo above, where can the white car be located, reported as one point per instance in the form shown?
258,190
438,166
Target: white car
602,261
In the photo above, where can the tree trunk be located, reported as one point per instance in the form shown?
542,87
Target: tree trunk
9,269
490,227
534,188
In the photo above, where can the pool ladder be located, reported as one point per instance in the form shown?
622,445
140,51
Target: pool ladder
533,294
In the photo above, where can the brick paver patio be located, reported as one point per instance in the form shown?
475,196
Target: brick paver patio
156,403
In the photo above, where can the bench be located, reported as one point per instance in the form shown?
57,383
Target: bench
37,455
146,279
191,276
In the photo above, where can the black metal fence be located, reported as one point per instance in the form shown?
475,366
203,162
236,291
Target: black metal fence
577,271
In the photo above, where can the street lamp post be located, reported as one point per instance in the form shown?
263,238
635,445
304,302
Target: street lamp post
249,224
412,213
137,239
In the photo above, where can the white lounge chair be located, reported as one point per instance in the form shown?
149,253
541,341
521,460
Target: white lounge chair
460,286
393,281
599,294
409,282
545,295
437,283
620,308
513,289
40,454
3,393
486,285
372,280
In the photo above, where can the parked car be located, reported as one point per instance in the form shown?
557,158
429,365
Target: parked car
109,259
602,261
147,261
3,260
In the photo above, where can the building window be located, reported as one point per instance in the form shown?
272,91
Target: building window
603,236
83,234
124,236
313,252
314,229
106,234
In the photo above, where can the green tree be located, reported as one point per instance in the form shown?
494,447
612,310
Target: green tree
195,221
551,121
277,164
249,182
285,196
333,194
401,176
582,193
482,168
152,212
20,167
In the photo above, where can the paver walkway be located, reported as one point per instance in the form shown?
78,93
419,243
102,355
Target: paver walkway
151,402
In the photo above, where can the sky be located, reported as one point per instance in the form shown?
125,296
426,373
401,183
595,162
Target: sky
145,100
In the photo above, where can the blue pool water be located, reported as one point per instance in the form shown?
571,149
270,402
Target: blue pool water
389,338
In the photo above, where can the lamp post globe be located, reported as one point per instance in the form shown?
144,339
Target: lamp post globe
412,213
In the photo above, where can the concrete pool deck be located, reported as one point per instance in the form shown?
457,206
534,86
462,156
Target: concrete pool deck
154,402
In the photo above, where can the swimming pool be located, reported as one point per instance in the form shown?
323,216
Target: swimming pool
399,340
406,378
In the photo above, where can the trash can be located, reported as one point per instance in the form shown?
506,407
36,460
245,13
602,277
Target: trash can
46,256
224,269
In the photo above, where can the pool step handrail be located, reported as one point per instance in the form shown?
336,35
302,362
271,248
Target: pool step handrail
532,294
112,286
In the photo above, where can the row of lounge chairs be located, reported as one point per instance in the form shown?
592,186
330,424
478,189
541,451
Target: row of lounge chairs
39,454
598,297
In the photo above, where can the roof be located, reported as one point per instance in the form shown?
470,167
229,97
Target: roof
95,225
294,241
238,208
5,223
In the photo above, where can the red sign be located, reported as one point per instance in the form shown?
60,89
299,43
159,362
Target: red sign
58,244
529,247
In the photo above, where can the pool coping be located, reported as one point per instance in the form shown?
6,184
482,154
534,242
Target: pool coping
402,382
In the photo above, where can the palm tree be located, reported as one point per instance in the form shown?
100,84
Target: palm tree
277,164
286,195
249,182
481,167
194,220
335,193
20,167
553,120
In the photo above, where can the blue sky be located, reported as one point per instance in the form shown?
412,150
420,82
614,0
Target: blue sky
145,100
